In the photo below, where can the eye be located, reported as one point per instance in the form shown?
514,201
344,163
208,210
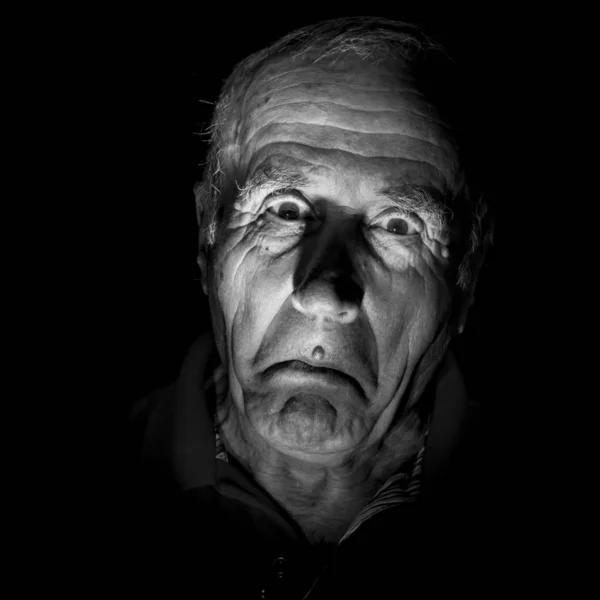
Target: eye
290,208
289,211
400,225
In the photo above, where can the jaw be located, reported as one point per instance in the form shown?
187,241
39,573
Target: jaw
309,427
306,421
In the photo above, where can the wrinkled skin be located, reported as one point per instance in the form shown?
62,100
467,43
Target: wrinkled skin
336,264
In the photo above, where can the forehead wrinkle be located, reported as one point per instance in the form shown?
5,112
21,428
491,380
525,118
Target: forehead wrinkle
337,114
273,161
384,99
331,84
308,128
348,106
265,81
307,71
415,170
397,146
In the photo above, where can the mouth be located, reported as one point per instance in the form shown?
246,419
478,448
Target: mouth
329,374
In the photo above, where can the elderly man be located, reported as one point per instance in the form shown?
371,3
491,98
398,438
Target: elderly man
341,235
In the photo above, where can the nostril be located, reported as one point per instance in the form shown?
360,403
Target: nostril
348,316
348,291
326,299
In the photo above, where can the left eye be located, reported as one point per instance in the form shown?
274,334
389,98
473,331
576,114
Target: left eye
398,226
291,209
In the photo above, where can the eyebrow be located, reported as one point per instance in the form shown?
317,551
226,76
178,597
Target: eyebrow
424,202
276,176
427,204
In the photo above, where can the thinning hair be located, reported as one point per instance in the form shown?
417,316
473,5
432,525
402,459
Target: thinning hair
372,39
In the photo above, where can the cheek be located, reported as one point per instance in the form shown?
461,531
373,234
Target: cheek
267,284
405,309
231,270
390,314
250,287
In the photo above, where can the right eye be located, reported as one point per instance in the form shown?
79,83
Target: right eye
398,223
400,226
291,208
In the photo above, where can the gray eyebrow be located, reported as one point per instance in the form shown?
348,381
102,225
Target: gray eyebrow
415,199
276,176
419,200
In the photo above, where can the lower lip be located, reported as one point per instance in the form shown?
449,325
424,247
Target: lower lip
327,382
304,369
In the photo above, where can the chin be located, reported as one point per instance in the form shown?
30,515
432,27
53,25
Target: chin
307,424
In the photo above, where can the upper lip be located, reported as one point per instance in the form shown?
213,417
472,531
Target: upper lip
312,366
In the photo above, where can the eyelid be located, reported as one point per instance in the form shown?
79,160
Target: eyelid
256,196
285,195
410,217
286,192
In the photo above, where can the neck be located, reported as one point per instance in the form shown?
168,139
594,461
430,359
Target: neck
323,500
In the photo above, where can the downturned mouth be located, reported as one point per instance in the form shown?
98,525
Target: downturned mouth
331,374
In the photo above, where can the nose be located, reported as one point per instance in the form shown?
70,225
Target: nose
328,289
324,299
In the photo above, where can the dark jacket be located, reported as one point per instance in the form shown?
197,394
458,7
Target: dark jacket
208,521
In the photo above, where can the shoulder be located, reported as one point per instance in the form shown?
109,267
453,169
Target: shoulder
151,416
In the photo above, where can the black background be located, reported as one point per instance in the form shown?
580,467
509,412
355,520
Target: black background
148,305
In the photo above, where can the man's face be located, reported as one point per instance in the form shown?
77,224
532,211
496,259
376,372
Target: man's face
328,282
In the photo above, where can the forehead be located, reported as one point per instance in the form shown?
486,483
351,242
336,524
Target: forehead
346,115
